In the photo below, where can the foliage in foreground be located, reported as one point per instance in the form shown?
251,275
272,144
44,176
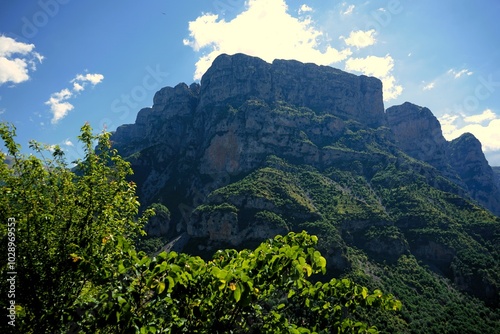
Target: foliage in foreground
62,220
77,269
265,290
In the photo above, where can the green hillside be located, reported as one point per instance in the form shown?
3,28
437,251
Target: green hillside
434,250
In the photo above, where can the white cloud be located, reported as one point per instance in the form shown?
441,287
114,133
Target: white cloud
487,115
266,30
361,39
93,78
68,142
59,106
448,126
390,89
77,87
380,67
305,9
9,46
349,9
16,60
488,134
457,74
429,86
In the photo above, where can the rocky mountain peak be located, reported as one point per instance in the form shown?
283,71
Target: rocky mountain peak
323,89
466,156
418,134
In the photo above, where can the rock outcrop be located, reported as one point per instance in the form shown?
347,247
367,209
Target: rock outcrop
418,133
323,89
467,158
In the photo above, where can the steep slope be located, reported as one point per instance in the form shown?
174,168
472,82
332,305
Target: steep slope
259,149
462,160
496,170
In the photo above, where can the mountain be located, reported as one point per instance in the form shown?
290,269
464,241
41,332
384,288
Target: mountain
259,149
496,170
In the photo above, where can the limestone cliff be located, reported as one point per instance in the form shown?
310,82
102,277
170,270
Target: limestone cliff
418,133
467,158
323,89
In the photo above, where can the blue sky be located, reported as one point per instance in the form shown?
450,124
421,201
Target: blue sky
67,62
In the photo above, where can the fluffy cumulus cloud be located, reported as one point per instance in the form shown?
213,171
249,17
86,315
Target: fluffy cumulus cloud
361,39
17,60
484,126
266,30
487,115
380,67
58,102
59,105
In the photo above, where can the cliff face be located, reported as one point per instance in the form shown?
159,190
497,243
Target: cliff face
467,158
259,149
323,89
496,171
418,133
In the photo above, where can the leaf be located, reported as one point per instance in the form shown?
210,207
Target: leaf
237,293
121,300
321,262
364,292
121,268
161,287
308,270
219,273
171,283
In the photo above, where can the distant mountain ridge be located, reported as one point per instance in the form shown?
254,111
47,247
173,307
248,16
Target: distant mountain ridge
259,149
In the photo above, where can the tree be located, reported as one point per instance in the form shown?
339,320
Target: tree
66,224
266,290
